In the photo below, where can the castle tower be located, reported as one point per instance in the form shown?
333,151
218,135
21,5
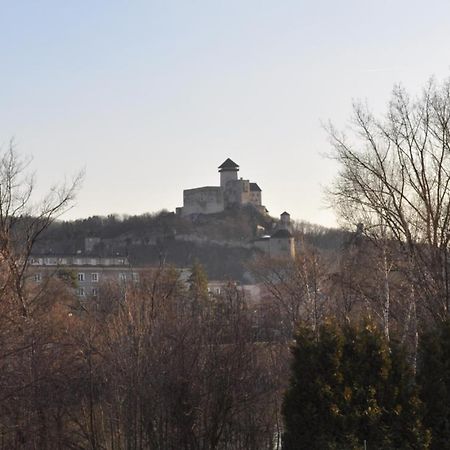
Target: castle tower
228,172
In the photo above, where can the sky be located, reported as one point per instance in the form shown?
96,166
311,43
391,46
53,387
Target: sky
150,97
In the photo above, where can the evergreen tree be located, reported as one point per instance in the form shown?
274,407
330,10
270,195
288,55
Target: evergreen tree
348,386
198,287
310,410
434,381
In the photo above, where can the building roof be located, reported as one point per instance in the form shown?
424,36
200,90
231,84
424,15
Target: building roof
228,164
282,234
77,260
285,213
254,187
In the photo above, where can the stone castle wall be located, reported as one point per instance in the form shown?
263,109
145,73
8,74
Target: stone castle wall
204,200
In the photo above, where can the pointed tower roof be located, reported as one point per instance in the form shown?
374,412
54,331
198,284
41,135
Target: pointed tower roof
228,164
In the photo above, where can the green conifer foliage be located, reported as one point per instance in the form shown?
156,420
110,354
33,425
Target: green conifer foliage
434,381
198,287
349,386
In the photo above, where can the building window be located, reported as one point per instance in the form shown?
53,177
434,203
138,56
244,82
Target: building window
80,292
135,276
122,276
37,277
80,276
94,292
94,277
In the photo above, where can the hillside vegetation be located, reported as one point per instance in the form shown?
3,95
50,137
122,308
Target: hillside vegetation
222,242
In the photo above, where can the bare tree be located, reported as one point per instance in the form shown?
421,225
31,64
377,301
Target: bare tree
27,328
23,219
296,287
368,280
394,178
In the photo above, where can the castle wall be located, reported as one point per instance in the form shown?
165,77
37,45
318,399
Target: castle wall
255,198
204,200
237,192
245,191
263,244
274,247
282,247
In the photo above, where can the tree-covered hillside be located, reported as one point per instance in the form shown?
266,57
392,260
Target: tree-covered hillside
222,242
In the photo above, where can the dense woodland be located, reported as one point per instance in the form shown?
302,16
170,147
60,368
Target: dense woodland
347,348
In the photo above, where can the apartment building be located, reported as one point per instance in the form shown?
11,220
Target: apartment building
86,273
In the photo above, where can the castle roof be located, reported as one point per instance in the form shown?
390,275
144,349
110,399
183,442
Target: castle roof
282,234
228,164
285,213
254,187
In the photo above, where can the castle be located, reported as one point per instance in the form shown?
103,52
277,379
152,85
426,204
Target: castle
231,192
234,191
281,242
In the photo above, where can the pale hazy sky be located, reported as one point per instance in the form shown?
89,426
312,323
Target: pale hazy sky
151,96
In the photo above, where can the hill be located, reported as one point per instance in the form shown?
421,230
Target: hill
221,242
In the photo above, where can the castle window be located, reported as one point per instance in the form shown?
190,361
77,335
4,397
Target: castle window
94,277
37,277
81,292
94,292
80,276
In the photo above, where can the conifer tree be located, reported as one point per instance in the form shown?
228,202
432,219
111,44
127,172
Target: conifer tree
348,386
434,381
198,287
310,405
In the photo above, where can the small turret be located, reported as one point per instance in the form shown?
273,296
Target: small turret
285,221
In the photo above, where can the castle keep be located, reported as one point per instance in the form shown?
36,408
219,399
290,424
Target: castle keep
231,192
